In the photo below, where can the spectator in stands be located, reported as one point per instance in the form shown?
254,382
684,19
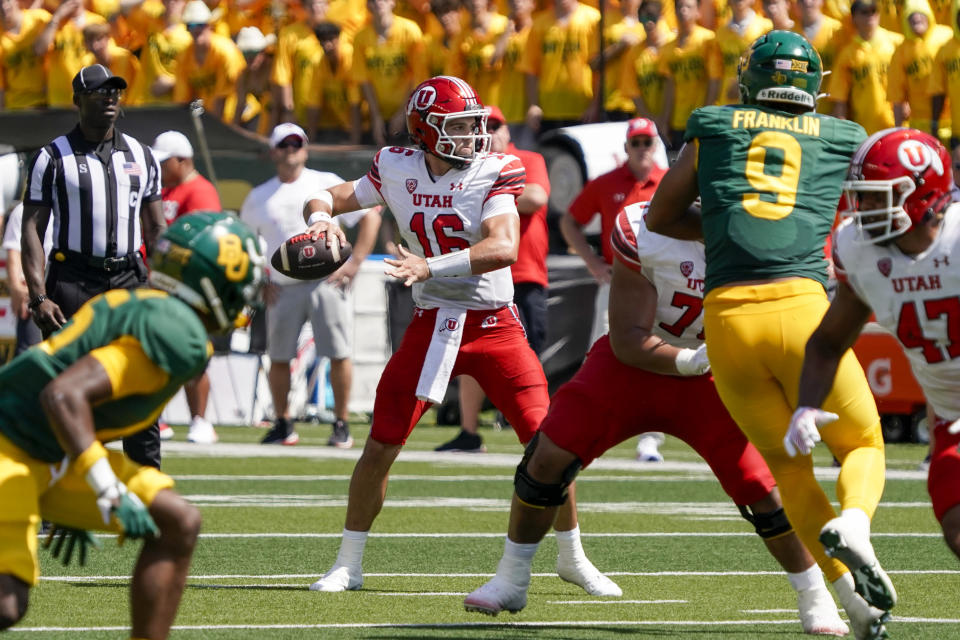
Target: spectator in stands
439,47
101,50
529,273
559,84
135,21
858,84
161,56
507,56
642,80
27,331
692,67
298,50
619,35
826,34
908,82
472,57
253,84
733,38
778,11
333,104
606,195
945,82
208,69
388,62
274,209
61,45
186,191
22,77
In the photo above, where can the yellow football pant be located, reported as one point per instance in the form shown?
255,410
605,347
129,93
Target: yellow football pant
756,337
30,488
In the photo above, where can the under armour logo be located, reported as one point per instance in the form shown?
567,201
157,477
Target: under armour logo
456,187
945,261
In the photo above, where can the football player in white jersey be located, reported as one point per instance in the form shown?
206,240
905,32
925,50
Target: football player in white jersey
897,255
650,370
455,204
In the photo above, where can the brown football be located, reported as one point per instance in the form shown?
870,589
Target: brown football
302,258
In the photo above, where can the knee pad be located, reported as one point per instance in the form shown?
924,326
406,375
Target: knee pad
768,525
538,494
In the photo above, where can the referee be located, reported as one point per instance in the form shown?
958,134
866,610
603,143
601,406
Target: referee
101,190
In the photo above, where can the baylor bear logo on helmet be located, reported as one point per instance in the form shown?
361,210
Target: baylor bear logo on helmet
781,68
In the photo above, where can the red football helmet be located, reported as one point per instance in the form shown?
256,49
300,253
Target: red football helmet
436,101
898,178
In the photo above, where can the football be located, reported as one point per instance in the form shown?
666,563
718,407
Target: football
302,258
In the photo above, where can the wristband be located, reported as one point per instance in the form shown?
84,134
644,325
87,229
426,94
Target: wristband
323,196
686,362
90,455
450,265
317,216
101,476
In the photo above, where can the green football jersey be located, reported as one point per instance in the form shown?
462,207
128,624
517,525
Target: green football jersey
170,334
769,186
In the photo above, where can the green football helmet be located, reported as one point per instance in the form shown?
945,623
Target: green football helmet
211,261
780,67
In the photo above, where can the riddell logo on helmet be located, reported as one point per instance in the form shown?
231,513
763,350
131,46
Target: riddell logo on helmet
423,99
916,156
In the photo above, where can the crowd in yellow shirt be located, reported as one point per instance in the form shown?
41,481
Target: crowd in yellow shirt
343,68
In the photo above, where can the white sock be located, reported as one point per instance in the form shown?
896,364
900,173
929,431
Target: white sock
809,579
569,545
351,548
516,561
859,516
845,590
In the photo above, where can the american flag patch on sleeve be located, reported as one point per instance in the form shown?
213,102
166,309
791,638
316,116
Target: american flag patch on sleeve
132,168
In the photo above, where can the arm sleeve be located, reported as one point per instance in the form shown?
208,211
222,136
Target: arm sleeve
511,180
499,205
624,242
367,194
40,177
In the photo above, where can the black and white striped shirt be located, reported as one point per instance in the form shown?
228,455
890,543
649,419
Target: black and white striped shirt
94,191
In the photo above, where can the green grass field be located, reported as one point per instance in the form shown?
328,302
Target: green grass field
689,566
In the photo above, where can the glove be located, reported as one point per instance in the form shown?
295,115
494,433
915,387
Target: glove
803,433
954,427
80,539
693,362
113,499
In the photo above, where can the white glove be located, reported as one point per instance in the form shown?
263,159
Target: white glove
954,427
107,486
693,362
804,433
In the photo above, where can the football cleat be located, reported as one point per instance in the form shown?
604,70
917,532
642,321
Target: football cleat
818,613
843,540
582,573
648,448
339,578
464,442
867,622
496,596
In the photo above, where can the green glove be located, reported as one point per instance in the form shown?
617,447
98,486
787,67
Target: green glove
74,538
134,518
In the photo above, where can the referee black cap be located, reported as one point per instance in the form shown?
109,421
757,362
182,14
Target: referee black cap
94,76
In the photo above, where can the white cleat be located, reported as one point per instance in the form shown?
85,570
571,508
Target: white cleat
867,622
496,596
845,541
339,579
201,432
586,576
818,613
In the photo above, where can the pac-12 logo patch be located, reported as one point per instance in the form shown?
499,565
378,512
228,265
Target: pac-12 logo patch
686,268
450,324
885,265
411,185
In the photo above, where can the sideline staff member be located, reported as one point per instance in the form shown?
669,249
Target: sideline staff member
101,190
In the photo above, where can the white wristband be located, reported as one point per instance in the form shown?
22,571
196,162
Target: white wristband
325,197
692,362
450,265
101,477
317,216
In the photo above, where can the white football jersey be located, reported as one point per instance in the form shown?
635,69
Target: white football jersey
437,215
917,299
675,267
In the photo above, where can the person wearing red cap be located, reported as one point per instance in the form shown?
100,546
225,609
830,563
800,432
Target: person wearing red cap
606,195
529,272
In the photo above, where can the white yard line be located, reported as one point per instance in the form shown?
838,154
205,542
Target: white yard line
455,625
